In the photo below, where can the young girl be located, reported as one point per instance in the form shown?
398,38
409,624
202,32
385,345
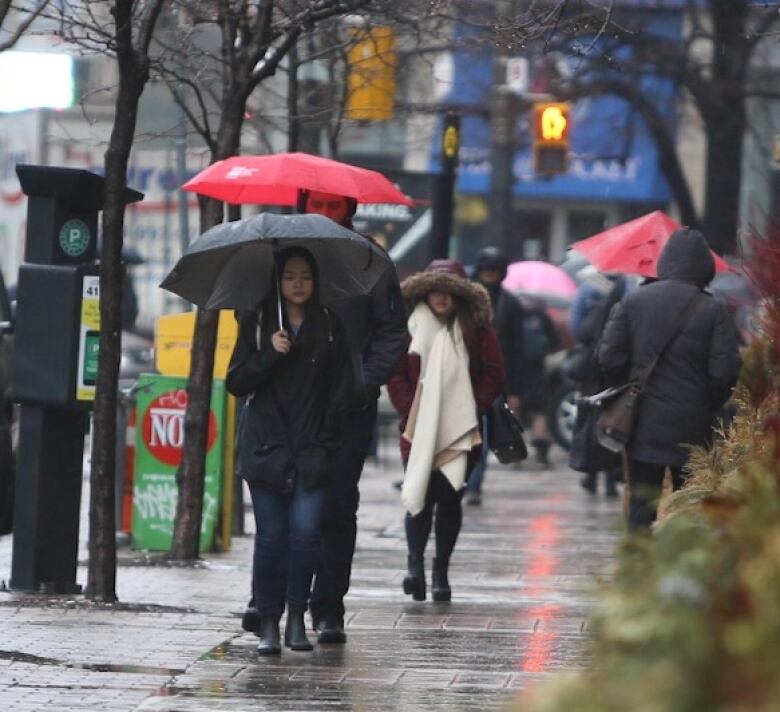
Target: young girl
295,377
451,374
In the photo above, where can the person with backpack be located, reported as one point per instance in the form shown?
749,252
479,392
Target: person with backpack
294,376
489,271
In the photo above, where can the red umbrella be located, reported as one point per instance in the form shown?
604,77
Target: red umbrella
634,247
276,180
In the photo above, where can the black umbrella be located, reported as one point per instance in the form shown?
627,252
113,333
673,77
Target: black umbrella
230,266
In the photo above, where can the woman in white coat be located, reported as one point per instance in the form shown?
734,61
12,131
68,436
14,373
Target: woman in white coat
452,372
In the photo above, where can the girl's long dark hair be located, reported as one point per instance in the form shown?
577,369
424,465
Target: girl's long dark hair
470,331
314,334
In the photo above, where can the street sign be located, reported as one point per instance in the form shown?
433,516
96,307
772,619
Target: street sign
517,74
161,404
89,338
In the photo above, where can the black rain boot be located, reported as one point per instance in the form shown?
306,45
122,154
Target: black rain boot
295,632
268,631
611,489
250,621
542,447
588,482
414,581
440,584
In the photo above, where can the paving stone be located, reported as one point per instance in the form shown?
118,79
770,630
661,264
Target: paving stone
523,577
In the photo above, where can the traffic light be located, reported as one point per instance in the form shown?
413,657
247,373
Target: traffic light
551,126
372,73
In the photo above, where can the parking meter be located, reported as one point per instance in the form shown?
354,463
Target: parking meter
54,369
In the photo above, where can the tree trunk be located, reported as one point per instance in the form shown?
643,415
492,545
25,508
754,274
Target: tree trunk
101,577
726,123
190,477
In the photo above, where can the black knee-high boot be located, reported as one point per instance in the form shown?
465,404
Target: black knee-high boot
440,583
414,581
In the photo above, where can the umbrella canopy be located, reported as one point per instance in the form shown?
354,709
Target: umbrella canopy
277,179
635,246
231,265
537,277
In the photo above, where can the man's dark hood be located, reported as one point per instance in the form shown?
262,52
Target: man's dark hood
687,258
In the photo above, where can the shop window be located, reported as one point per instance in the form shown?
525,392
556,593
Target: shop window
532,235
584,223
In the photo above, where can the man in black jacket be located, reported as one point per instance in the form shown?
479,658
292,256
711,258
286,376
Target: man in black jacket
490,270
377,335
692,379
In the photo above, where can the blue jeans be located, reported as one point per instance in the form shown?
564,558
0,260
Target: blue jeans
474,483
287,547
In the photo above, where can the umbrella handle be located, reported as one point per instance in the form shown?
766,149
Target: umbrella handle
278,299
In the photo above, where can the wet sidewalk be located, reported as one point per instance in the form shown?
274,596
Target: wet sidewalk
521,577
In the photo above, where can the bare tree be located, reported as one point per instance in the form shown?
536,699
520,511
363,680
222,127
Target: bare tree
252,41
711,64
25,16
213,86
122,30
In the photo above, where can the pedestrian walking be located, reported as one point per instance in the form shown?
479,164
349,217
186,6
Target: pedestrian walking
540,338
693,377
291,365
490,270
588,317
376,340
454,350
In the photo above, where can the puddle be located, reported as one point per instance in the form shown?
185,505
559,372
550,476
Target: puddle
20,657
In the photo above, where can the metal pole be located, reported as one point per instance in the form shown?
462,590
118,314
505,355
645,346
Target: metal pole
500,228
445,188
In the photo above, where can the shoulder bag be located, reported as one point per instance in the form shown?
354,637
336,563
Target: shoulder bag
505,434
617,405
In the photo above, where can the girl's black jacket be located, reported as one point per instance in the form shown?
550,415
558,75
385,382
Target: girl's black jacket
291,421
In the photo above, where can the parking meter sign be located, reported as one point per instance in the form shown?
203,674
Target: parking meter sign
91,352
74,238
89,338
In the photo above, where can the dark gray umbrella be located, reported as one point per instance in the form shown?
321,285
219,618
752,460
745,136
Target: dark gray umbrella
230,266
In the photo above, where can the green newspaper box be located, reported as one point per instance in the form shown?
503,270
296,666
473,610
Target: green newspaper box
161,402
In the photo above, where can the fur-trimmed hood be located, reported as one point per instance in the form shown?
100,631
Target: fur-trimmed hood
418,286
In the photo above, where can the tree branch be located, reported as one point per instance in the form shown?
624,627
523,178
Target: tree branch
5,7
664,139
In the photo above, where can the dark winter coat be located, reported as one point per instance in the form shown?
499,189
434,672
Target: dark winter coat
695,375
508,318
376,336
487,376
291,421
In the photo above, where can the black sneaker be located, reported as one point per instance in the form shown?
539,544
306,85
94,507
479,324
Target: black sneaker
331,632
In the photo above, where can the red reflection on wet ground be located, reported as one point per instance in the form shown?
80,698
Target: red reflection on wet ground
542,564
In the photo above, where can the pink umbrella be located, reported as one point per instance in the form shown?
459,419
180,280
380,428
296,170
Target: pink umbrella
536,277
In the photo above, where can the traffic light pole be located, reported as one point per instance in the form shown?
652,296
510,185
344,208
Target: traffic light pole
501,231
445,188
